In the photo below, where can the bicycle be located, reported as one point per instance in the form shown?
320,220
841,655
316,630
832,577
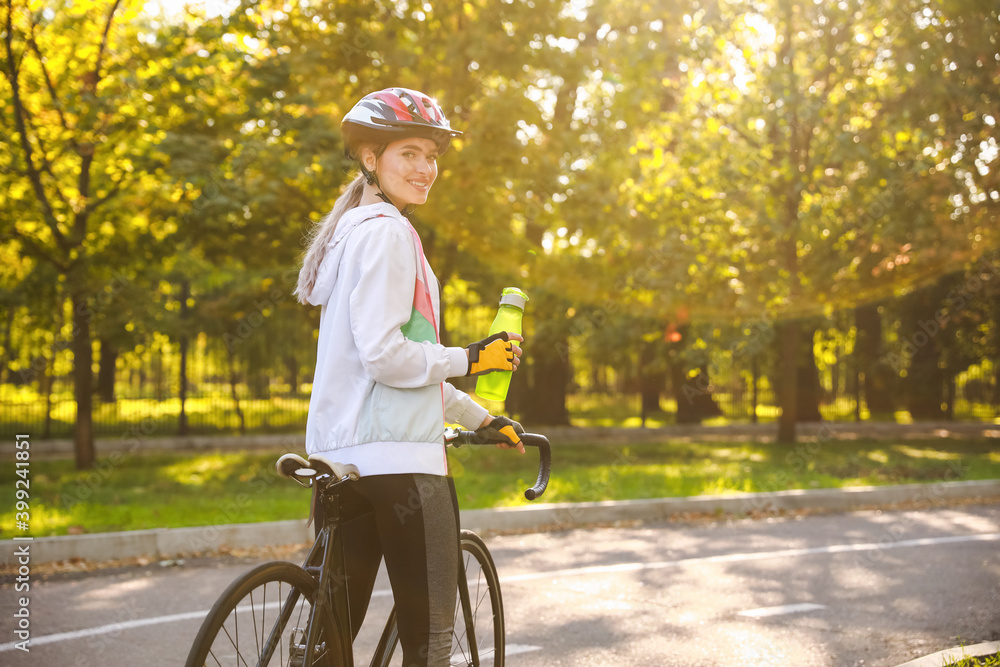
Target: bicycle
282,614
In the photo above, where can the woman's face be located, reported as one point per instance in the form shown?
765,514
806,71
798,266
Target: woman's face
406,170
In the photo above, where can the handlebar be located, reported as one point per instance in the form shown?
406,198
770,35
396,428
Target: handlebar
457,437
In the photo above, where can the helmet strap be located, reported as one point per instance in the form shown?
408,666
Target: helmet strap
371,178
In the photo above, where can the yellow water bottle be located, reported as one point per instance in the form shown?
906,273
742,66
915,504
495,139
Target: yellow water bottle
493,386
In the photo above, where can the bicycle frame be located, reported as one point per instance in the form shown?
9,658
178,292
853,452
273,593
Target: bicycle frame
329,615
328,551
329,543
321,602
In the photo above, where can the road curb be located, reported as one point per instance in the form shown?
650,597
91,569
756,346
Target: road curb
539,516
952,655
174,542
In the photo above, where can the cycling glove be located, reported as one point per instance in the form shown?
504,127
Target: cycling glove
491,354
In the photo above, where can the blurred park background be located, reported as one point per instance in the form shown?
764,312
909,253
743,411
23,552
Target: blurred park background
723,211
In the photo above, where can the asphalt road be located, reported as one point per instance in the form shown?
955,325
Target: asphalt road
865,588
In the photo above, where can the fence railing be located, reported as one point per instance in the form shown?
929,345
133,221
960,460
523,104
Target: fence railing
285,412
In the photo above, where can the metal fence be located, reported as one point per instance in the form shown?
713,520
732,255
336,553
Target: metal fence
273,405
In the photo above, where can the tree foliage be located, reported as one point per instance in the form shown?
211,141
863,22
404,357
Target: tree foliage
662,178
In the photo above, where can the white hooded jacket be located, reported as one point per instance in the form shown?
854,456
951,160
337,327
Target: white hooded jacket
379,397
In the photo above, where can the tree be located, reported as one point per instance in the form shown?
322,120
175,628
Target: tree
82,133
797,183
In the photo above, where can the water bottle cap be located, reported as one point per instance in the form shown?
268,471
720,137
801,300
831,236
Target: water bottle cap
512,296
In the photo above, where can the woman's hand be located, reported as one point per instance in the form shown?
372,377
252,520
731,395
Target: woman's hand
504,431
495,353
517,350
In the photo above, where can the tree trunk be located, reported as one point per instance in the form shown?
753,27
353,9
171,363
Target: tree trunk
950,390
788,379
924,343
159,376
697,395
926,383
292,367
652,379
809,391
692,393
836,377
83,383
259,384
106,372
551,369
675,369
794,163
879,377
996,382
182,421
233,381
7,344
45,383
547,401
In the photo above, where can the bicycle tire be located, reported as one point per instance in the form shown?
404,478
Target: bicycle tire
486,604
484,589
252,605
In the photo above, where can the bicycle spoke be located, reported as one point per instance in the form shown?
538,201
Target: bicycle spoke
253,619
484,610
212,653
236,631
254,593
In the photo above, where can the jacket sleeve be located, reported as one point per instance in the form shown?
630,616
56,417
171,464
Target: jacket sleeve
381,303
459,408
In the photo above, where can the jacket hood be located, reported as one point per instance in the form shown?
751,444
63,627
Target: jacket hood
327,277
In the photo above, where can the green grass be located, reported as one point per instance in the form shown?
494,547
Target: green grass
140,491
984,661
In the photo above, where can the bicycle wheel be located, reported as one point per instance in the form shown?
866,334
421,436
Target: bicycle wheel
262,619
485,608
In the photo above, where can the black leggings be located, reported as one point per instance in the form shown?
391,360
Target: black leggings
412,521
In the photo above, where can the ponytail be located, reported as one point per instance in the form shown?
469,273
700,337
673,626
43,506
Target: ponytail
322,234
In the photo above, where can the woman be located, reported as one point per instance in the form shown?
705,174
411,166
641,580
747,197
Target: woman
379,396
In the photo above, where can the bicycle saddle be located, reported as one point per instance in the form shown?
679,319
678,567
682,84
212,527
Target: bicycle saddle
324,464
292,466
295,467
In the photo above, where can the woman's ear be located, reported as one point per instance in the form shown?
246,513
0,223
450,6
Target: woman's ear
368,158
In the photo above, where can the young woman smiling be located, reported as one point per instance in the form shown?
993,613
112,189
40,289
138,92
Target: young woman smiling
407,170
380,397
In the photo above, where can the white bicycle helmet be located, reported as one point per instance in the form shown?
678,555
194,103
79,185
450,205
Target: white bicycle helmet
395,113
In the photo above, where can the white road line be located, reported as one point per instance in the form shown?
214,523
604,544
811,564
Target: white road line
106,629
573,572
514,649
746,557
799,608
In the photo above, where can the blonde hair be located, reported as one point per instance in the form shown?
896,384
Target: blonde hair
322,234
